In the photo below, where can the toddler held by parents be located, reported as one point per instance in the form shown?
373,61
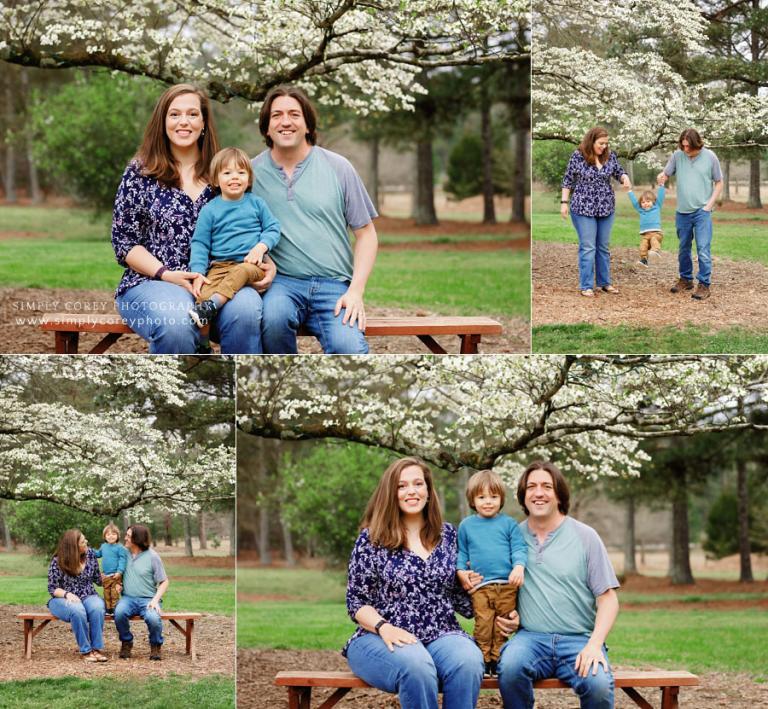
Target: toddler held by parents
588,196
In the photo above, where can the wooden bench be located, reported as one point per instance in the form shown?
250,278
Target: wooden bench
67,328
300,686
44,617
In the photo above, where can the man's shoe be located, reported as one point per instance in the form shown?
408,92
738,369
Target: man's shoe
125,650
203,313
154,652
682,284
702,292
643,262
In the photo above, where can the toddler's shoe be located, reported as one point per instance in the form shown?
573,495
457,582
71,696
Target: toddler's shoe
487,671
494,668
643,262
655,253
204,313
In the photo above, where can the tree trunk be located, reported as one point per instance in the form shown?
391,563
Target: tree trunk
486,133
727,180
742,493
9,173
7,540
754,201
35,194
424,201
522,171
168,531
375,147
233,534
187,536
203,532
461,486
290,558
680,558
630,567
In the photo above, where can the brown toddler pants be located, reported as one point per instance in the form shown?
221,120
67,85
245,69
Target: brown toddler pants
228,277
111,595
488,602
650,240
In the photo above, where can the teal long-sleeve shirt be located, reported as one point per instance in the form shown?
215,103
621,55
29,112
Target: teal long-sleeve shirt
491,546
650,219
227,230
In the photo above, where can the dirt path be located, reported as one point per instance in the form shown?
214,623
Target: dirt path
55,652
739,295
256,670
22,308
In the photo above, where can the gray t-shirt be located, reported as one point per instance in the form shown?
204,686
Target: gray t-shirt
695,178
563,577
143,574
315,207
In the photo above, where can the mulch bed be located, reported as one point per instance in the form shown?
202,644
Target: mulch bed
256,670
55,654
22,308
738,294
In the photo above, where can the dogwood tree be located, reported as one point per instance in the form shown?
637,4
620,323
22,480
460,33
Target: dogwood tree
586,412
623,67
360,53
101,453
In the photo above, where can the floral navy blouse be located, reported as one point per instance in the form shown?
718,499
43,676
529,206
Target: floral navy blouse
82,585
161,219
592,194
416,595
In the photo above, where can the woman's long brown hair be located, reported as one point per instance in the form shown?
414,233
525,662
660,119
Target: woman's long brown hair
155,154
69,556
587,145
383,517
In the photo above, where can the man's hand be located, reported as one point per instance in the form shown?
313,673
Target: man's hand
392,635
256,254
198,283
590,657
154,604
270,271
661,179
517,576
355,310
119,587
508,624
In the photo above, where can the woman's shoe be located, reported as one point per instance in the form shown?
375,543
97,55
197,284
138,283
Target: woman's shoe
610,289
89,657
589,293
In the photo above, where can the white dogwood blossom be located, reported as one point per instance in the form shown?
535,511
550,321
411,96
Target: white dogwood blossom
604,65
362,53
107,456
588,413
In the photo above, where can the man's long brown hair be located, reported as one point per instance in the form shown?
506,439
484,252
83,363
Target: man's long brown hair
383,517
307,108
560,484
68,554
155,154
587,145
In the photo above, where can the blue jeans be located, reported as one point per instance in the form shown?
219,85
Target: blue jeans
86,619
696,225
530,656
132,605
452,663
594,238
157,311
292,302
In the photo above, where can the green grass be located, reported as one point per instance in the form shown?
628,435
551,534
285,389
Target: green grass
738,241
298,584
23,581
77,254
213,692
587,338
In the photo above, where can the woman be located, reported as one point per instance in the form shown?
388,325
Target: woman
71,575
402,593
160,196
592,207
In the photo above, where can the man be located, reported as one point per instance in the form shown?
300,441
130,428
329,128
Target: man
316,196
699,184
144,584
567,604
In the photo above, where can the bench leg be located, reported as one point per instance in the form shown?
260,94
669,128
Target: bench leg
636,697
335,698
669,697
432,344
106,342
66,342
191,649
469,344
299,697
28,635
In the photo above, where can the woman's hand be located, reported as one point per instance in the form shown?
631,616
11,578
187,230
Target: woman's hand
270,271
71,598
469,579
508,624
198,283
564,210
626,183
392,635
180,278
